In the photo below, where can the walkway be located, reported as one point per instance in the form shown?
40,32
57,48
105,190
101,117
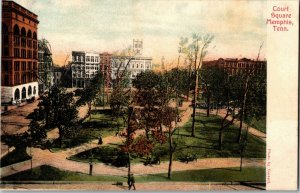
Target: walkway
59,159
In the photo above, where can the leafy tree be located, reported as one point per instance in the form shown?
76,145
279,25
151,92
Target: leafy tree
196,51
57,109
91,92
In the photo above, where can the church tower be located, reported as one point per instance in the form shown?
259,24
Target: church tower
138,47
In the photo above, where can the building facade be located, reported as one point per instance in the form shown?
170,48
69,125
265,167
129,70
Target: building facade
45,66
105,68
85,65
132,64
234,65
57,74
19,53
135,65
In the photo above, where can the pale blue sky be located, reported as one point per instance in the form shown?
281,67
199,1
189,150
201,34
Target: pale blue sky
109,25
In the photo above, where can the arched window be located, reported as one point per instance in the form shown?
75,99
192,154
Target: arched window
34,90
29,34
29,91
23,37
23,93
16,35
29,41
16,30
23,32
17,94
34,36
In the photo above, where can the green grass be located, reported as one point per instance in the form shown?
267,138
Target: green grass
258,124
48,173
100,124
16,156
204,144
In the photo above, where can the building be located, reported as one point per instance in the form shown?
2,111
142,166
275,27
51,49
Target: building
85,65
19,53
45,66
235,65
57,74
105,68
132,64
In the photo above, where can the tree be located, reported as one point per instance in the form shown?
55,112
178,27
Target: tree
197,50
57,109
90,93
253,103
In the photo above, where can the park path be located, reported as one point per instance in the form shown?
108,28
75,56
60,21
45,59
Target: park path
251,130
59,159
147,186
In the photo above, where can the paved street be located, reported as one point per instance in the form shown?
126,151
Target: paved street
149,186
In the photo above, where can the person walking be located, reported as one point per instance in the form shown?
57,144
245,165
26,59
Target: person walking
100,140
132,181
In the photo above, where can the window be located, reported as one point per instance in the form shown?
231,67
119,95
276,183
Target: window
87,58
142,66
23,53
137,65
17,66
17,52
92,59
132,65
23,66
96,59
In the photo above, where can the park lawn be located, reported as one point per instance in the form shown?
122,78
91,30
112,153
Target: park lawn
204,144
258,124
249,174
100,124
16,156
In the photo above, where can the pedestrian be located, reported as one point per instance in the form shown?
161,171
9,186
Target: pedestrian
129,182
132,181
100,142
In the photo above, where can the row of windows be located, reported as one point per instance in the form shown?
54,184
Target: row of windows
23,78
114,65
88,58
29,43
243,65
23,66
30,54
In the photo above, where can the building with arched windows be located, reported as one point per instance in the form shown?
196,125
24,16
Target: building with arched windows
19,53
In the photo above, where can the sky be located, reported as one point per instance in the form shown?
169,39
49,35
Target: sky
109,25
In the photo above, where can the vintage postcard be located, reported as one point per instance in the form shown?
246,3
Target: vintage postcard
149,95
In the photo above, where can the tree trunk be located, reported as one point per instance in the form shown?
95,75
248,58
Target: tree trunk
194,104
208,105
171,154
220,139
240,127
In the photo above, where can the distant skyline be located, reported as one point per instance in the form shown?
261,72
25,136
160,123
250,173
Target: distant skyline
109,25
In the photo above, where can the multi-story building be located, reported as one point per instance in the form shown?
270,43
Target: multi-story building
132,64
45,66
85,65
105,68
19,53
57,74
234,65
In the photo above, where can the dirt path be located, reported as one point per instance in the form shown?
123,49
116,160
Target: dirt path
148,186
59,159
251,130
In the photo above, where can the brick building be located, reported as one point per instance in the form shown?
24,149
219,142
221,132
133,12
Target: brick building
105,68
235,65
19,53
